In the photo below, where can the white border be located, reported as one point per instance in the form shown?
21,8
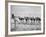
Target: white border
23,32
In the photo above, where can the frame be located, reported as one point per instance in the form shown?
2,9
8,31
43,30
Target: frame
26,18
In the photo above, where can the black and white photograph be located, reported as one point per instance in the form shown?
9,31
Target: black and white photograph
25,18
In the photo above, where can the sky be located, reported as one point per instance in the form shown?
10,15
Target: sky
30,11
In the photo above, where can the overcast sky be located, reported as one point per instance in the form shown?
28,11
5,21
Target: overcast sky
26,10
